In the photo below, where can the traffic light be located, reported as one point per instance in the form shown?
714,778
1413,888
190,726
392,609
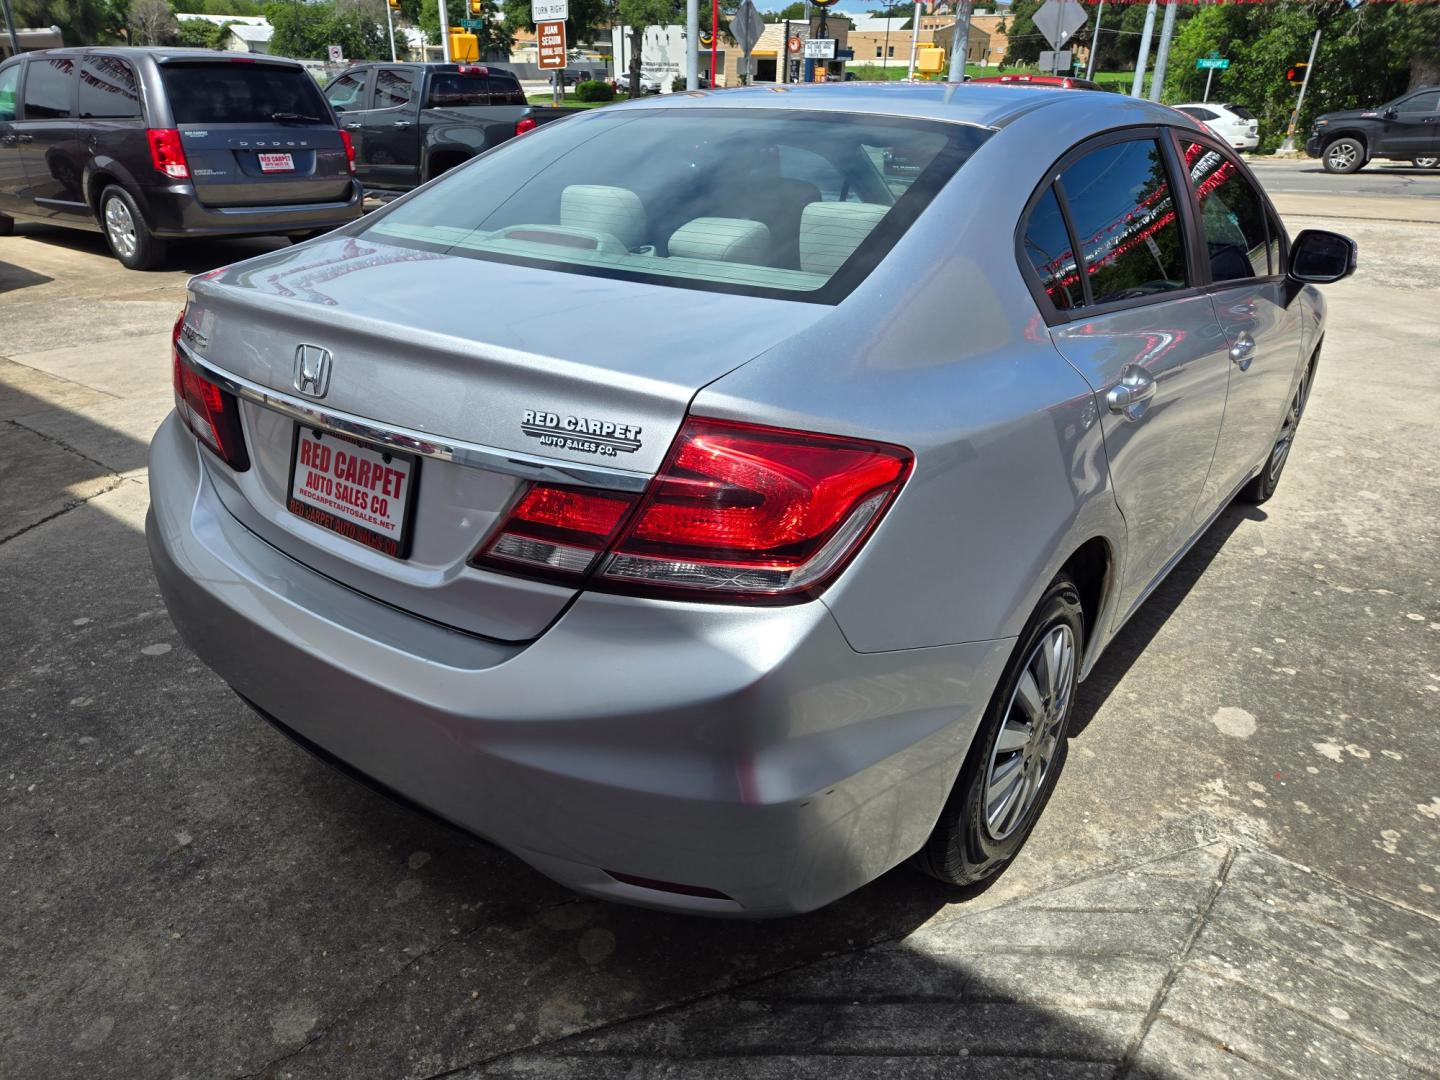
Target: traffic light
394,5
1296,72
477,8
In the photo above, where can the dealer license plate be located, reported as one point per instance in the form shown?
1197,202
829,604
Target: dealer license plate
276,162
362,493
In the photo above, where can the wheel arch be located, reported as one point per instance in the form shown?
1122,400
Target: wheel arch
1358,134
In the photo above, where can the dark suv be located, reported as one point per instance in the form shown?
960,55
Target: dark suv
148,145
1406,129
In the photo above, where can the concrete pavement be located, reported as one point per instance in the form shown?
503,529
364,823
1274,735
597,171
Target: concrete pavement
1236,876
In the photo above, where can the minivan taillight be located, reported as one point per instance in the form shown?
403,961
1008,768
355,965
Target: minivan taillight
349,149
738,512
167,154
212,414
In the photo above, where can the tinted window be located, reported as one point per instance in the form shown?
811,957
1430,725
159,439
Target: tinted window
108,90
1124,218
9,83
393,88
1421,103
1232,215
345,92
50,88
711,209
1047,245
1240,111
453,88
229,93
1199,114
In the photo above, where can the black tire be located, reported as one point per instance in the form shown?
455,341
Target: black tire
137,248
966,847
1263,486
7,225
1343,156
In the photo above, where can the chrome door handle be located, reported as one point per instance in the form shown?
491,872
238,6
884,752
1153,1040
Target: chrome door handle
1131,395
24,138
352,127
1243,351
401,124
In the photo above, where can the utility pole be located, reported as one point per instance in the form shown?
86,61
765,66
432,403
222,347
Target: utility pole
444,30
1209,74
390,28
1094,41
1288,146
1162,54
692,44
960,40
10,26
1143,59
914,41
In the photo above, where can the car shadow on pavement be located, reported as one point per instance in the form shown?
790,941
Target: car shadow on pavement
1132,641
186,256
14,278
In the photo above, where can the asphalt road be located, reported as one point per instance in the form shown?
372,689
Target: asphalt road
1237,874
1380,179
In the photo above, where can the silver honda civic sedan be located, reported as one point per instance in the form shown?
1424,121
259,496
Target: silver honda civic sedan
716,500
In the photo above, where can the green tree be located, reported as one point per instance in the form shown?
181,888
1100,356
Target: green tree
495,38
1023,40
637,15
792,12
81,22
588,18
306,29
201,34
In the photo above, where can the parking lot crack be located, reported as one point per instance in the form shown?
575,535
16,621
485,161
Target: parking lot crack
63,445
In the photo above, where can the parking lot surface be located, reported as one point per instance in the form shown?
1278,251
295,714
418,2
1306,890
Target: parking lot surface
1236,876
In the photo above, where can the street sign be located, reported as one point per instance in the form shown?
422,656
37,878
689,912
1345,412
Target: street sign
746,27
550,44
473,24
1211,63
1058,20
820,49
549,11
1055,62
337,54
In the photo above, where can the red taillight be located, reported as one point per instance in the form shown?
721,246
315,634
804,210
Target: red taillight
167,154
208,411
527,124
349,149
737,512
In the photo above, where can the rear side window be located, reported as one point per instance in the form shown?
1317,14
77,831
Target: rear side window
1123,212
108,90
1199,114
393,88
1047,245
1232,215
9,83
50,88
242,93
1427,102
347,92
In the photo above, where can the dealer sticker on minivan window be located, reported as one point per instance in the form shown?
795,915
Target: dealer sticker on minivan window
276,162
360,492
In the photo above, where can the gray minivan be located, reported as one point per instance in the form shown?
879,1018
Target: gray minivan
153,144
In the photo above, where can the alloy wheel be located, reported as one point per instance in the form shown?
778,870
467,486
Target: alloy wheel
120,228
1281,452
1427,162
1030,733
1342,155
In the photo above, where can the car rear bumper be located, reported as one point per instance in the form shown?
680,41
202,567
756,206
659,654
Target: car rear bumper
175,213
747,751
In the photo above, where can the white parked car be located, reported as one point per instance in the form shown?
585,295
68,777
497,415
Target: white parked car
1233,123
648,84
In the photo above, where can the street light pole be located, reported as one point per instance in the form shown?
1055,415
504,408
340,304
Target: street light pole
444,30
1209,74
692,44
1094,41
960,40
1162,54
1288,146
1143,59
10,26
914,41
390,26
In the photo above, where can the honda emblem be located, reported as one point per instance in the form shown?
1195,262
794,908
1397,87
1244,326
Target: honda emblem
312,370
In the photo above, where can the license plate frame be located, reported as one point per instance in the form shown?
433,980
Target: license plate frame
276,162
342,520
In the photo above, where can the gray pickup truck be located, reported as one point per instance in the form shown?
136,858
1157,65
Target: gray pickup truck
412,122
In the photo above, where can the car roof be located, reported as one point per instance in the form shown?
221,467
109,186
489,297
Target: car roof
162,53
991,105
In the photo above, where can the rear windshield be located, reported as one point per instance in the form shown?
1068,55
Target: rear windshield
455,88
242,93
782,203
1242,112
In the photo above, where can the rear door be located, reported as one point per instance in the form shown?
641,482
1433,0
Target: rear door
1131,315
256,133
1255,303
1414,128
50,145
111,115
390,128
12,169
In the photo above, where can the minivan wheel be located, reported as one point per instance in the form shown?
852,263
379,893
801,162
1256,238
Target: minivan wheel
1344,156
1263,486
1018,750
125,230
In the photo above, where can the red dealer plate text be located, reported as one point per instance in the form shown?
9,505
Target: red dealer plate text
276,162
362,493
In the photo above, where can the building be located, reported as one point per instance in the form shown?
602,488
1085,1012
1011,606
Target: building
247,33
886,42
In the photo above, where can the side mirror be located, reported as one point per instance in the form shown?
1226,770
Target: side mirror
1318,257
1390,113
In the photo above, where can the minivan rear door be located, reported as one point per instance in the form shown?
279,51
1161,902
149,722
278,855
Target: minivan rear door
256,133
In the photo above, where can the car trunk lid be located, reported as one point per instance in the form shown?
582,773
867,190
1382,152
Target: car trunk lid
492,373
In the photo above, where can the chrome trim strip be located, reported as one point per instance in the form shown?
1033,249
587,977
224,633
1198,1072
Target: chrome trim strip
423,444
